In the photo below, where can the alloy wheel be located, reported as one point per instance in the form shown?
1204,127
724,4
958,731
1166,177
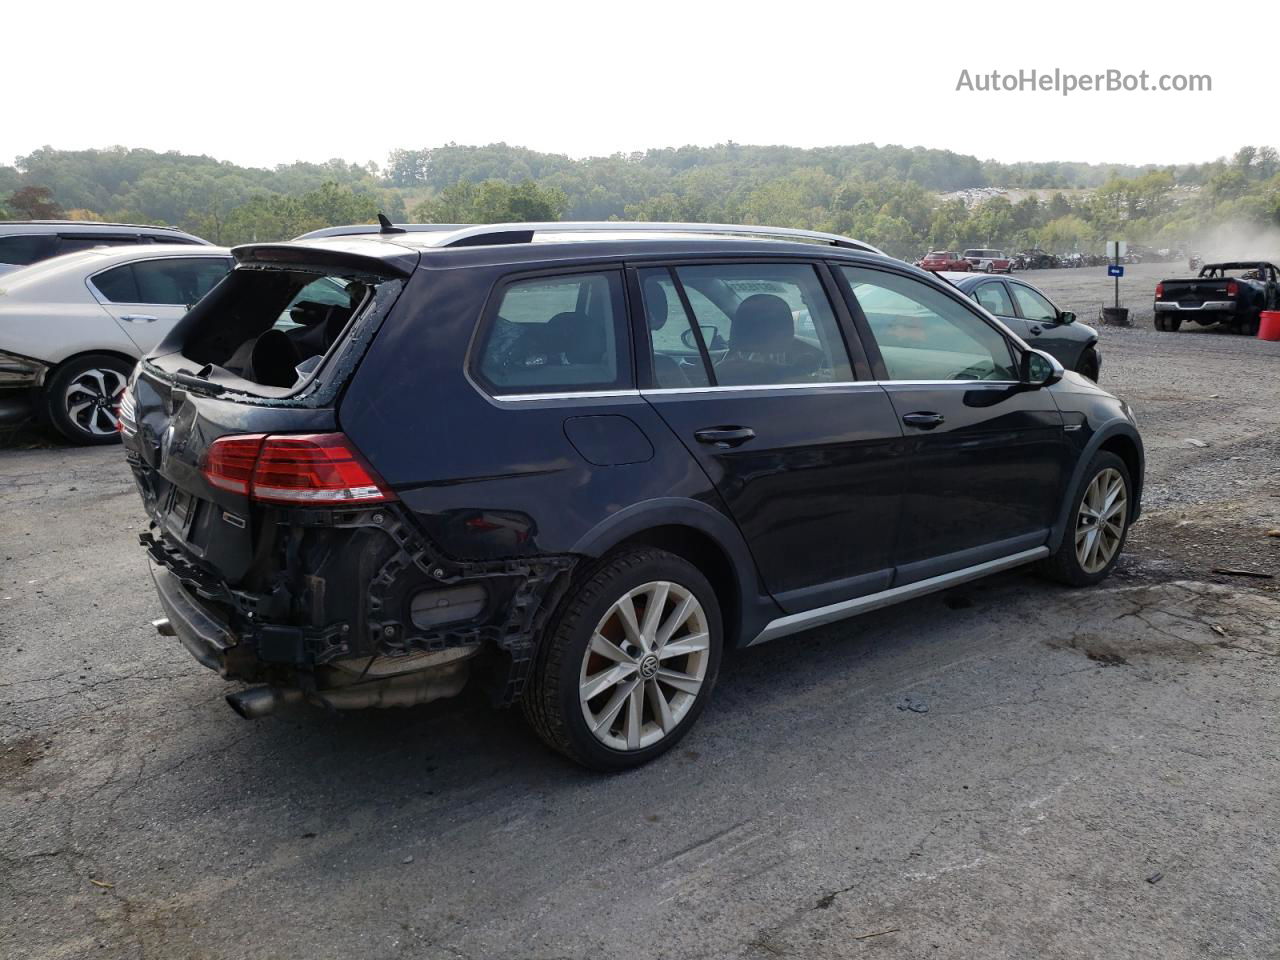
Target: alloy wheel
645,665
1101,520
93,400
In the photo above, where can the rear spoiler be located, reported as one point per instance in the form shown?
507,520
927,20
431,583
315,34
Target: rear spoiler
366,255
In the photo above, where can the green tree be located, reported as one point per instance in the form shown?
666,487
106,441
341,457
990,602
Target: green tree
493,201
33,203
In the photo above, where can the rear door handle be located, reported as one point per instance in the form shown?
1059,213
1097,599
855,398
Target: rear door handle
925,420
139,318
724,436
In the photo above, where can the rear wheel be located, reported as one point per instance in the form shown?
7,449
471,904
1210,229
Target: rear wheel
1095,537
82,398
629,662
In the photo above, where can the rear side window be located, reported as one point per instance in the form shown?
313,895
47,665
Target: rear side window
558,334
178,282
759,323
19,251
925,335
994,298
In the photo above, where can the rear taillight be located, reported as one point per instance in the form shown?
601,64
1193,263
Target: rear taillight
314,468
1159,291
1233,288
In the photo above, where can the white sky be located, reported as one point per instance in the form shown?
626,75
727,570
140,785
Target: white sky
272,82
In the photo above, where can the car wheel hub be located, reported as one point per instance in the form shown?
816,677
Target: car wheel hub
645,665
93,399
1100,522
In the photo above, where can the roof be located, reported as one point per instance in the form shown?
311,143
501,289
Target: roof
94,226
100,258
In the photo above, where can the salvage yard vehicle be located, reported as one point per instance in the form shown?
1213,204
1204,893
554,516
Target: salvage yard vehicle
988,261
1024,309
1233,294
1038,260
944,260
576,462
24,242
72,328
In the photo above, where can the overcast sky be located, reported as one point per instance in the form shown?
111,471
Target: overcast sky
272,82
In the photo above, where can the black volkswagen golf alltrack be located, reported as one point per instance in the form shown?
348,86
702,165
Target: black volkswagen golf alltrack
574,463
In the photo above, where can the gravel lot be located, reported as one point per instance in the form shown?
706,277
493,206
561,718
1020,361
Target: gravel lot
1006,771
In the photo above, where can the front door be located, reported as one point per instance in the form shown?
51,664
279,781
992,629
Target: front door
761,390
987,459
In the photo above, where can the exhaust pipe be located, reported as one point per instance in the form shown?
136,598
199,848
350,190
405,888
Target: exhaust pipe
164,627
257,702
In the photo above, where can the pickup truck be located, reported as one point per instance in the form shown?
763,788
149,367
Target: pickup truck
937,260
1233,294
988,261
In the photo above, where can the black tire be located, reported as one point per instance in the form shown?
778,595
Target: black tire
1171,324
1064,564
551,702
1089,365
83,395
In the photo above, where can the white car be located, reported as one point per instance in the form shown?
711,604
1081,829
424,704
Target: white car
72,328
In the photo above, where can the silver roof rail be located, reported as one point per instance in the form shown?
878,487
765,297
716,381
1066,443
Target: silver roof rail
501,233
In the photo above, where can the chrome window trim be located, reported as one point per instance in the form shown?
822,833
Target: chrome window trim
738,388
98,295
561,395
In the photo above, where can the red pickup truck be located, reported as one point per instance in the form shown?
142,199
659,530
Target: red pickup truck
937,260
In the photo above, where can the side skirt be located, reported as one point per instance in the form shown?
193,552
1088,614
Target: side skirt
819,616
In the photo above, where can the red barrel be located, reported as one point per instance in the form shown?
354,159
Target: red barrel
1269,327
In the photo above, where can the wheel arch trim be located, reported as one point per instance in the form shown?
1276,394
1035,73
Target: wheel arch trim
1118,427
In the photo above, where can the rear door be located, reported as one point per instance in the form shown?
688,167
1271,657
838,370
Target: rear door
748,365
147,297
987,460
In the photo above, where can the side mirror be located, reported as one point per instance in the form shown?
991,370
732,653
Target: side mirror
1038,369
1066,316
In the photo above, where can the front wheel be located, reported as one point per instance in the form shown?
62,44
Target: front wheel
82,398
1100,511
629,662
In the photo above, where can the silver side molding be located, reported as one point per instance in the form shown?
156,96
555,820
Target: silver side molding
796,622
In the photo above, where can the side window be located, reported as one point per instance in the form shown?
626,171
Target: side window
677,361
117,284
558,334
24,249
925,335
1034,306
765,323
87,241
177,281
993,296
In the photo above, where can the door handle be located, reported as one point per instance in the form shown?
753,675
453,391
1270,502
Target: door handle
724,437
139,318
925,420
1036,331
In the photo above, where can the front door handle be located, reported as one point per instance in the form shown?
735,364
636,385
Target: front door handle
925,420
724,437
1036,331
139,318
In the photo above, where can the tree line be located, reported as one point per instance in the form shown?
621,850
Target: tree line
894,197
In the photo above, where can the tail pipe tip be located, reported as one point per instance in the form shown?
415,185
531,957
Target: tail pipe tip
163,627
257,702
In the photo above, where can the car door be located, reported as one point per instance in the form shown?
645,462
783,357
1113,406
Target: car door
748,364
147,297
1039,325
987,459
995,297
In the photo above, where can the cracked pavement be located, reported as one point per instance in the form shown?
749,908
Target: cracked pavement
1096,773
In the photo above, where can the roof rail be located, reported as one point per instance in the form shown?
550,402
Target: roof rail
502,233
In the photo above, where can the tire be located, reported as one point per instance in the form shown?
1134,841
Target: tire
1168,324
568,659
82,396
1068,564
1089,365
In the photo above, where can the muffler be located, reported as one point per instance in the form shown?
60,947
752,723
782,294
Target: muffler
259,701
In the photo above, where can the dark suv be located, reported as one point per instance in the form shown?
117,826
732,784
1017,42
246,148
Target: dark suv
575,462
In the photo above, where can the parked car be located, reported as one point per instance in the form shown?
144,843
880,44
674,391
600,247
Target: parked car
72,328
1039,260
988,261
1028,312
944,260
576,462
1233,294
24,242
